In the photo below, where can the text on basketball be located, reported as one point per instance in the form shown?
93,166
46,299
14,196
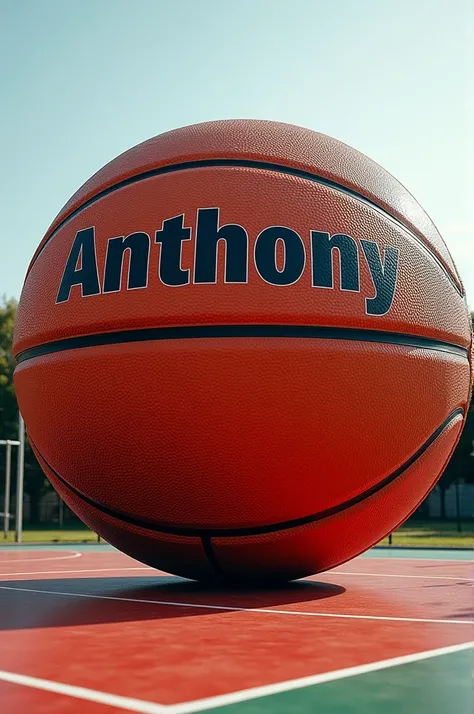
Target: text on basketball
279,257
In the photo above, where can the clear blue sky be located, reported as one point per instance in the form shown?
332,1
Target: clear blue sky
83,80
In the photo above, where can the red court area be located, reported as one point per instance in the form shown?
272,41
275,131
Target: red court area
81,631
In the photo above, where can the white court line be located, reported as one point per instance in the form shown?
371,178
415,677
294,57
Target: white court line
269,689
90,695
145,707
319,575
75,554
69,572
423,560
399,575
266,611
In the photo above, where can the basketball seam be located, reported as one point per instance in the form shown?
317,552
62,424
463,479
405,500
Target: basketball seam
209,533
211,555
259,165
240,331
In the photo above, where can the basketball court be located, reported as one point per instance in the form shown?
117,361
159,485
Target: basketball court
89,629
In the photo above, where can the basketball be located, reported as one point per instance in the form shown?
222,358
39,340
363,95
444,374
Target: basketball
243,352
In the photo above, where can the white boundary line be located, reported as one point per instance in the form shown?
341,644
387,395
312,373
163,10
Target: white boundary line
154,572
415,559
269,689
200,705
289,685
266,611
75,554
90,695
71,572
400,575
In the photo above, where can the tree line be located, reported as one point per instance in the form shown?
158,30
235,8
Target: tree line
460,467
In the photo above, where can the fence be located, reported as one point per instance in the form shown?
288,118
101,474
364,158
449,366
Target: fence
460,494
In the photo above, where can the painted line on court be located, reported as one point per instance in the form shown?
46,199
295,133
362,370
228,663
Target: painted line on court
146,707
72,572
270,689
319,575
415,559
90,695
75,554
266,611
399,575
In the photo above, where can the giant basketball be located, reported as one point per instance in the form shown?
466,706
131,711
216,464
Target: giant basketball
243,352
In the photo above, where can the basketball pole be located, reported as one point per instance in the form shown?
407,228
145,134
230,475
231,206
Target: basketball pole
6,507
8,443
20,480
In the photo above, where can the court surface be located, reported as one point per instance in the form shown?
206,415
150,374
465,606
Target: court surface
88,629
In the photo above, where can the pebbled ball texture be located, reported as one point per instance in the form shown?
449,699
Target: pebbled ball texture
243,455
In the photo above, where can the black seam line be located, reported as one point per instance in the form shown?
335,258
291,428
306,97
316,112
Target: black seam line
210,554
204,533
240,331
262,165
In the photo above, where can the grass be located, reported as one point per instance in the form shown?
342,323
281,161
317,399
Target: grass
79,535
433,533
413,533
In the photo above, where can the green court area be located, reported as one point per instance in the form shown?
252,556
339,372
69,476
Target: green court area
437,685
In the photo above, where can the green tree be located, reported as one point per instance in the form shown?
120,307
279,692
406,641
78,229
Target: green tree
8,407
36,484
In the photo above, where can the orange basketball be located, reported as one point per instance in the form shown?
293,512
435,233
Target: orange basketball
243,351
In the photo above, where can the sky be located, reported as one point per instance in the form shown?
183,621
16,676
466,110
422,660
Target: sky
84,80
